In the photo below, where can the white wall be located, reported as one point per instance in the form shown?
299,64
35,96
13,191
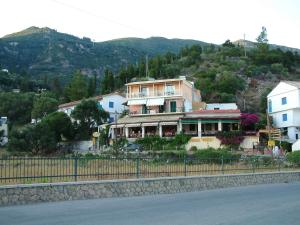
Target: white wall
187,105
221,106
117,100
117,105
280,91
296,146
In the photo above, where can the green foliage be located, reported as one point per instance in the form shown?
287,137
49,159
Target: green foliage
36,139
294,158
216,155
16,106
60,123
77,89
157,143
88,115
43,106
107,83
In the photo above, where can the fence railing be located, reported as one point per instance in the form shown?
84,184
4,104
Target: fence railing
36,169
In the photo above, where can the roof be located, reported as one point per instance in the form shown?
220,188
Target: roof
159,81
284,87
70,104
216,111
148,119
99,97
293,83
114,93
226,113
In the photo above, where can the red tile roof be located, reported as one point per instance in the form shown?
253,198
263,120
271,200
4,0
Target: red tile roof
204,111
70,104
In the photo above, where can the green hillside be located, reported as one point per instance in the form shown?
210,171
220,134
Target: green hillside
155,45
46,52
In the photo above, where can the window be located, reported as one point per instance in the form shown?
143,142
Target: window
111,119
297,137
170,89
270,106
111,104
283,101
144,91
284,117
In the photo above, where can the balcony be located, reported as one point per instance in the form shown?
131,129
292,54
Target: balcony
156,111
153,94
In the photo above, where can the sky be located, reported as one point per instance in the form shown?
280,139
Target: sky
212,21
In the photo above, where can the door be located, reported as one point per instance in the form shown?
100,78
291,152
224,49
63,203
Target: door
173,106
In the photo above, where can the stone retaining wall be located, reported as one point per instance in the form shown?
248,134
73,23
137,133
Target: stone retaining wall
33,193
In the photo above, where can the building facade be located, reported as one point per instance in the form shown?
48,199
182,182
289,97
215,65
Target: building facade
168,107
112,103
284,109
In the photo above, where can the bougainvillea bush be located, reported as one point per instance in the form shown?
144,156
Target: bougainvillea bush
249,120
231,139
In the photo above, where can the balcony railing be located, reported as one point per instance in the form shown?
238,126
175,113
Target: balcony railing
154,111
153,94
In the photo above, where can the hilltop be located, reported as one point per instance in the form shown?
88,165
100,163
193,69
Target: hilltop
44,51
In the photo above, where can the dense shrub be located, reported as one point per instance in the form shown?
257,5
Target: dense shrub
294,158
158,143
216,155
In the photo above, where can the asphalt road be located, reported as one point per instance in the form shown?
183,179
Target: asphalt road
255,205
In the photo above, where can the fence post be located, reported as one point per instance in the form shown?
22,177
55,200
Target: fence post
185,165
279,164
253,165
138,167
75,167
222,166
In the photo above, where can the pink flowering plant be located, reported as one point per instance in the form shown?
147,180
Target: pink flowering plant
249,120
231,139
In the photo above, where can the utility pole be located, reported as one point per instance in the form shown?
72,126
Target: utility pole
245,45
147,72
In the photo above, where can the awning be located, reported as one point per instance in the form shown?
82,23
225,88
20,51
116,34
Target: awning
155,101
150,124
137,102
133,125
168,123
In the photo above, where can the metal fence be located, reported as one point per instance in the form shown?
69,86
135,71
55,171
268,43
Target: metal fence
36,169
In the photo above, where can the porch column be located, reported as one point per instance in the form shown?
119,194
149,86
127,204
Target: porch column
126,132
199,128
143,131
179,127
160,130
219,126
113,133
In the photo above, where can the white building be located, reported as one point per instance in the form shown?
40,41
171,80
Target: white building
221,106
284,108
112,103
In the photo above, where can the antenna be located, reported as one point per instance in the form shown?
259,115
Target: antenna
147,72
245,45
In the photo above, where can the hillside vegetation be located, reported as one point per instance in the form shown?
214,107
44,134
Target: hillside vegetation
46,52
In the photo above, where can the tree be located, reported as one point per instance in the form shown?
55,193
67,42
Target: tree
88,115
228,44
43,106
36,139
60,123
262,37
77,89
16,106
108,82
92,86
